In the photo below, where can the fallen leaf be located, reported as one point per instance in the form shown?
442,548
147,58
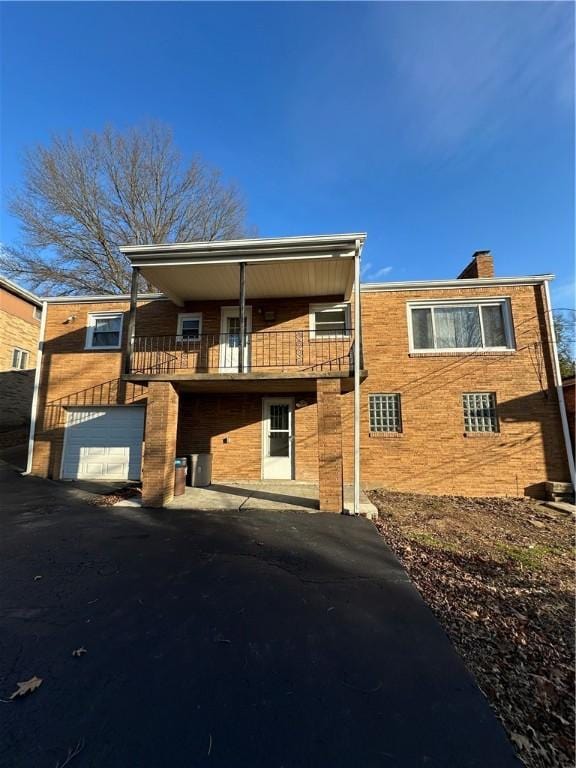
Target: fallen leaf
79,651
27,686
37,578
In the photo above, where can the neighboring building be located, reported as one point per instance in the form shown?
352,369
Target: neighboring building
20,319
448,388
569,387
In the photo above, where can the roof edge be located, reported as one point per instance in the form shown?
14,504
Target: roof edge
23,293
477,282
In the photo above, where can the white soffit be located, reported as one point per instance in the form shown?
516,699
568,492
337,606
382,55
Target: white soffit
266,279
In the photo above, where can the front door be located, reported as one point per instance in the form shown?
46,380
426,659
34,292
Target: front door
230,339
278,438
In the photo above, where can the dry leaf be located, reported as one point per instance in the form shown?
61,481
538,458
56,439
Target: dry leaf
27,686
79,651
37,578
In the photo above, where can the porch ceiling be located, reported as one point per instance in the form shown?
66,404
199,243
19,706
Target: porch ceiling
284,267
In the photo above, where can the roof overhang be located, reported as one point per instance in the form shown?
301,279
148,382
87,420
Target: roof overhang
276,267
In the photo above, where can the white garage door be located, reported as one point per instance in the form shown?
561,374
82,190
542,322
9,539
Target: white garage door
103,443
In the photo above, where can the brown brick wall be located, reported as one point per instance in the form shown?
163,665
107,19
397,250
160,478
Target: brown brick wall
16,332
230,428
160,444
432,455
330,445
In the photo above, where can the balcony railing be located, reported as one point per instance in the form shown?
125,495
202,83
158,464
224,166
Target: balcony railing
264,352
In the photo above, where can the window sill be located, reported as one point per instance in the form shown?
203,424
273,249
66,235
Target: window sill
490,435
386,435
463,353
103,349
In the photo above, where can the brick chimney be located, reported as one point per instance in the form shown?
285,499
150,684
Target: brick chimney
482,265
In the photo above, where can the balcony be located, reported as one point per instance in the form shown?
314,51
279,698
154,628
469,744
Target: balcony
266,353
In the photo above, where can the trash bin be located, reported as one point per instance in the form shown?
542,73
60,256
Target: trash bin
199,469
180,469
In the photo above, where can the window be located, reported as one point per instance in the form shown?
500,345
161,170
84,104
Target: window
190,326
20,359
37,313
460,326
480,412
104,331
329,320
385,415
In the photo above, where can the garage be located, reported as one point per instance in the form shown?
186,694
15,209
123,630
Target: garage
103,443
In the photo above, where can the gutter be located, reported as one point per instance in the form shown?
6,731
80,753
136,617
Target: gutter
34,409
462,283
558,382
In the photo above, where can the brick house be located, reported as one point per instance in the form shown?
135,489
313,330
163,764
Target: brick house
20,313
271,356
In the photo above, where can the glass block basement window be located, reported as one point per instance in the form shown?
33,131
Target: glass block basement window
385,413
480,412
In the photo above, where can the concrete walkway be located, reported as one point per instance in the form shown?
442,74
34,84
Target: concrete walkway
269,495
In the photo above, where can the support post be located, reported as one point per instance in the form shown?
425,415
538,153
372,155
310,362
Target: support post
160,446
132,320
242,318
357,364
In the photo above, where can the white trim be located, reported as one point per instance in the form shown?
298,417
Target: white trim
258,243
558,382
92,317
20,367
313,308
120,297
191,261
357,404
503,301
189,316
291,433
34,409
459,284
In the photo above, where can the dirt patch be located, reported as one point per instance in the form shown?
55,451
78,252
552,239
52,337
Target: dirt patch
499,575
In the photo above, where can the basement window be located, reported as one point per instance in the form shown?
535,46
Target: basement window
104,330
20,359
480,412
460,326
385,413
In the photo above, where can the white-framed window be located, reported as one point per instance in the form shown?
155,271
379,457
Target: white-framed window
189,326
20,359
104,330
37,313
329,321
460,326
480,412
385,412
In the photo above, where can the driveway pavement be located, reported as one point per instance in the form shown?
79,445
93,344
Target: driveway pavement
257,639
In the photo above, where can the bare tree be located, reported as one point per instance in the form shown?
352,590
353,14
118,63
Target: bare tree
565,327
80,200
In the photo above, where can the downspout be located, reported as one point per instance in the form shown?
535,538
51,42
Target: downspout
357,344
34,410
558,381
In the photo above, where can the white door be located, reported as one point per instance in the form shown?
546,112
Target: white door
103,443
230,338
278,438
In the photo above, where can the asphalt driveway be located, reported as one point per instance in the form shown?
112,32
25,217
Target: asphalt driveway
259,639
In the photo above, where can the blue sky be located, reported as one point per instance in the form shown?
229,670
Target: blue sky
438,128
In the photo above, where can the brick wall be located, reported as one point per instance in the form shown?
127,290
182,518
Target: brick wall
432,455
230,428
16,332
160,444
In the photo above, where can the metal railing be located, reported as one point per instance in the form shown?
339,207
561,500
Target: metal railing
264,351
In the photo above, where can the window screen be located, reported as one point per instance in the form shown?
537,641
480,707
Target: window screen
385,415
480,412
